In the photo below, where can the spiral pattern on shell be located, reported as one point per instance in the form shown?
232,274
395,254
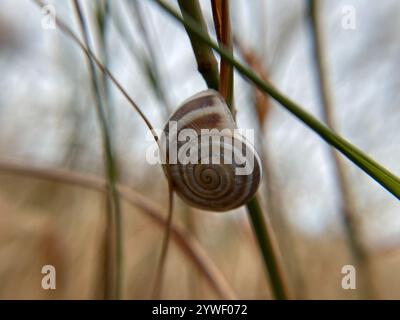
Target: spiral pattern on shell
205,171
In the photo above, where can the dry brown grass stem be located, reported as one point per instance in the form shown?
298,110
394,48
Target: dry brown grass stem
159,279
222,23
261,101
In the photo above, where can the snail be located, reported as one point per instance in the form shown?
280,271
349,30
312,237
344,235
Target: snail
210,165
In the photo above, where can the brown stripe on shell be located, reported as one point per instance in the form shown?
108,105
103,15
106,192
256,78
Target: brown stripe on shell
207,121
192,105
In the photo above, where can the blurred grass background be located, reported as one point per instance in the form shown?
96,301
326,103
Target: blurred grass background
48,120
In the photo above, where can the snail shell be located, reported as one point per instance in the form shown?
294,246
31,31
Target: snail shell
215,185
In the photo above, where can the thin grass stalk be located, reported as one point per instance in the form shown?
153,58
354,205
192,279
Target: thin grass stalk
269,249
107,274
152,71
206,63
222,23
89,53
147,64
348,213
190,247
103,15
272,265
151,64
113,204
191,223
159,279
384,177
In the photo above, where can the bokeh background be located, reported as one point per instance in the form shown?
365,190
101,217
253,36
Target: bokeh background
48,122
